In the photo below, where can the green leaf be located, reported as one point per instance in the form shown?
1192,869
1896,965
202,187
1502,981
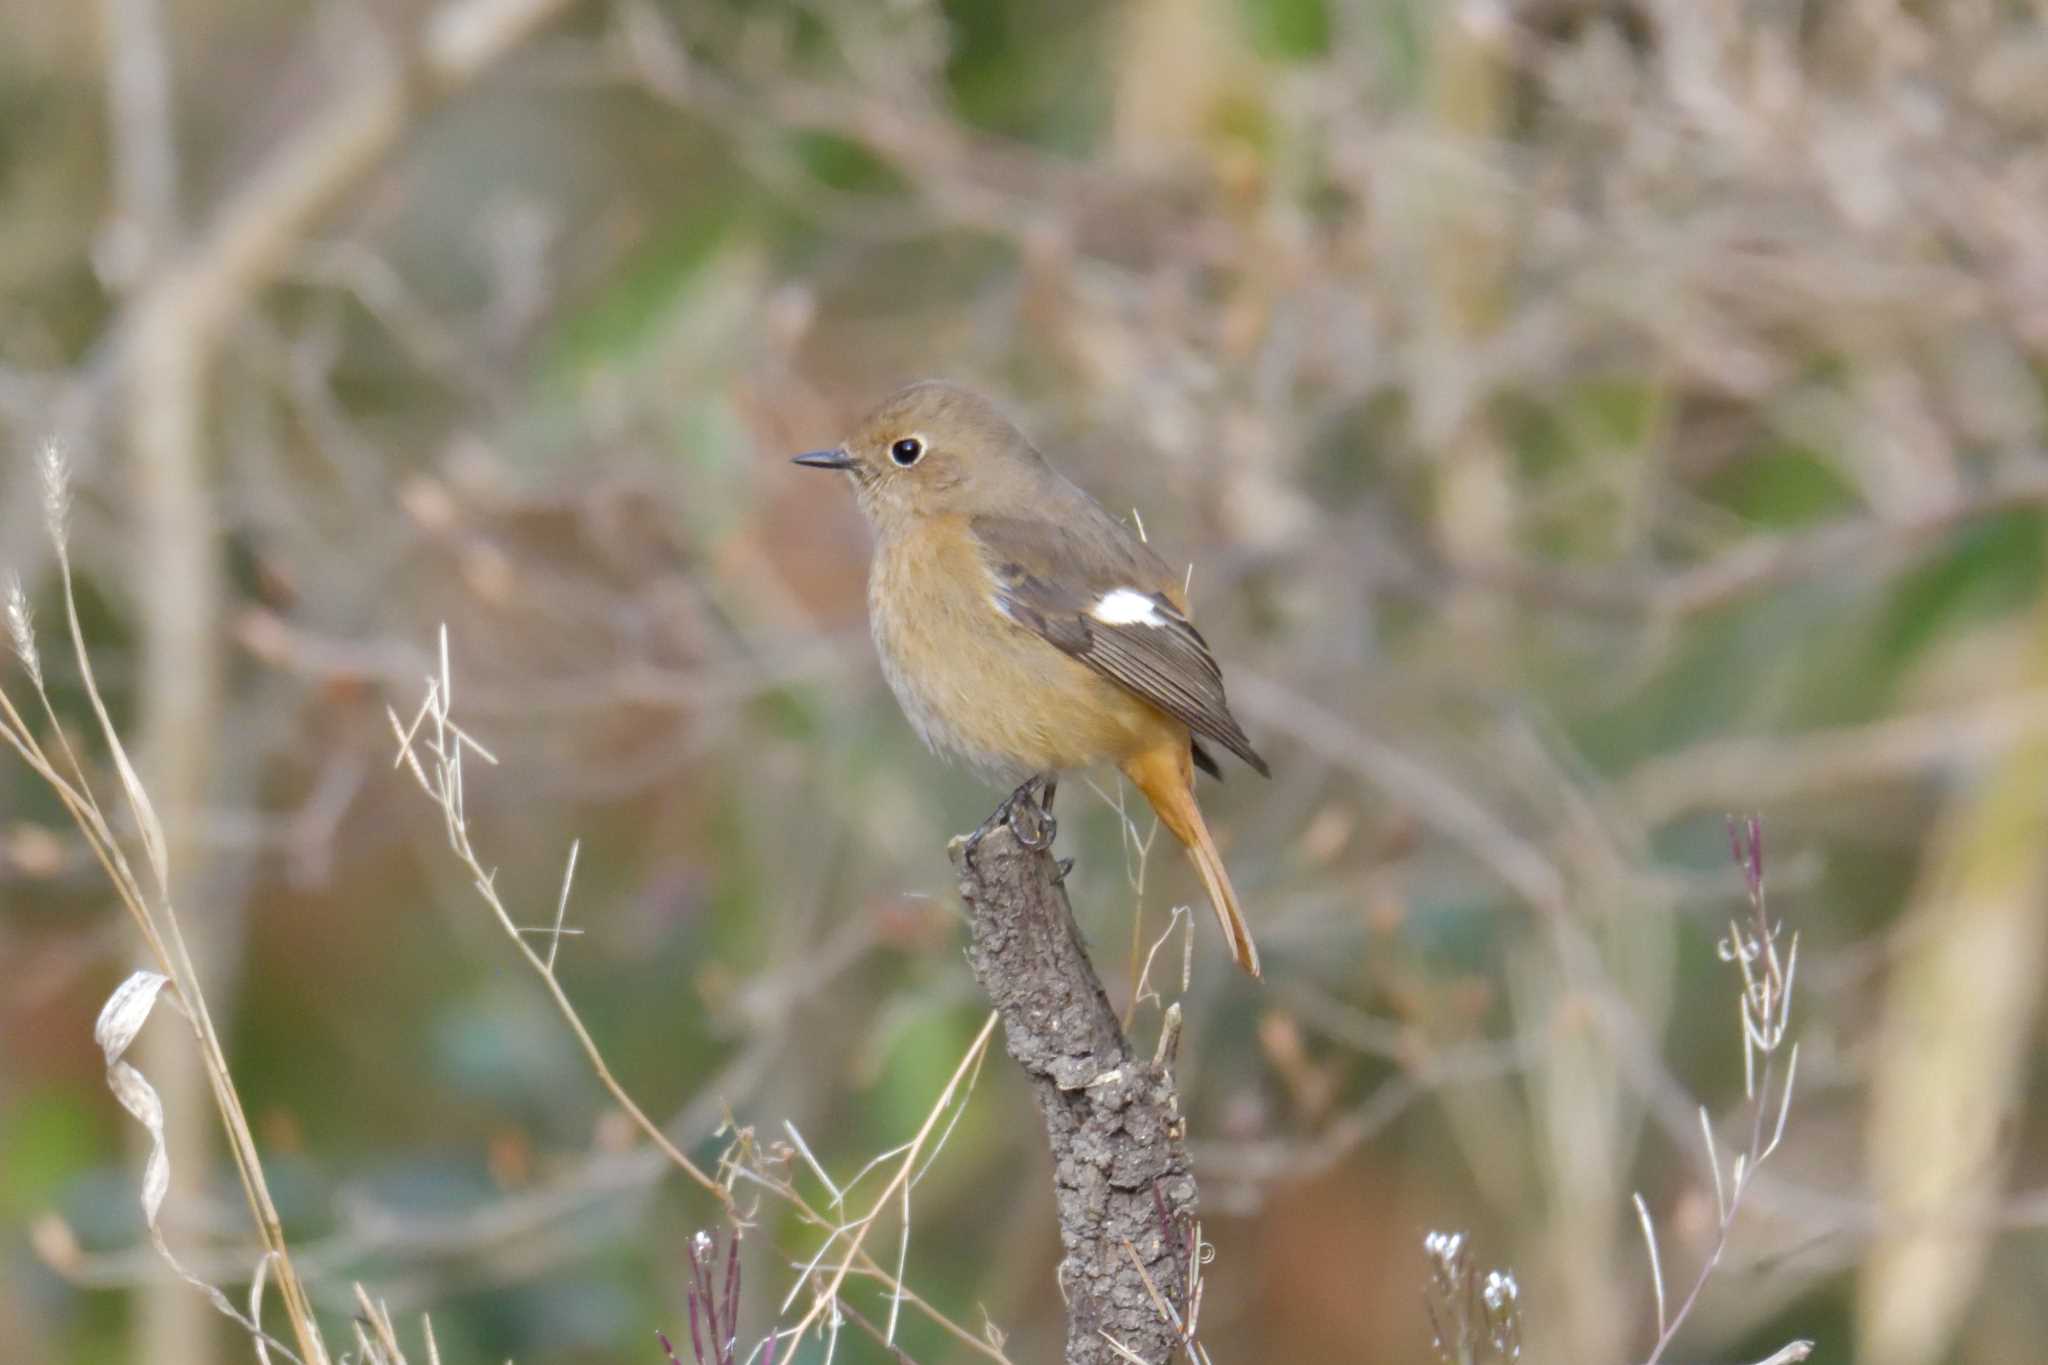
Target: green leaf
843,163
50,1138
1783,486
1985,571
621,319
1289,30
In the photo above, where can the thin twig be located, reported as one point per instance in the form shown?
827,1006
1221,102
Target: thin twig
441,779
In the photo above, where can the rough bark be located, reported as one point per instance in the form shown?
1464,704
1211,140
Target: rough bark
1121,1180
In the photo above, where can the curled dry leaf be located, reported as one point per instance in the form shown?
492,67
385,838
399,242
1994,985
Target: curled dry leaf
121,1020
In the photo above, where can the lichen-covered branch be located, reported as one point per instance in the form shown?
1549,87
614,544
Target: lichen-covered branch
1124,1192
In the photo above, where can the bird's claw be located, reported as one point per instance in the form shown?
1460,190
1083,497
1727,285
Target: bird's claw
1027,812
1033,828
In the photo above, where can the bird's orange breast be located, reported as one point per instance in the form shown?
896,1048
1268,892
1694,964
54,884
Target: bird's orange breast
976,684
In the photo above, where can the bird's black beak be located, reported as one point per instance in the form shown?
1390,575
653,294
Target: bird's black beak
825,459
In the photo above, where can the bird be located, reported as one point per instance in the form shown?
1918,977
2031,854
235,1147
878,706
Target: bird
1024,628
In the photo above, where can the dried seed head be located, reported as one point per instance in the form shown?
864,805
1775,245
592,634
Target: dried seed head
21,627
1444,1248
1503,1300
56,490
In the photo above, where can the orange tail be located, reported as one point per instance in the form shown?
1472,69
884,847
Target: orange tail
1167,777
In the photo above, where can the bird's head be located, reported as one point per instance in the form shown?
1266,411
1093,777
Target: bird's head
935,449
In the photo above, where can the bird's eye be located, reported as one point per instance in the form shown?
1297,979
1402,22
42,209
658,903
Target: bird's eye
907,451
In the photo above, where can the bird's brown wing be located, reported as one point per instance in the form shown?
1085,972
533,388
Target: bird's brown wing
1053,577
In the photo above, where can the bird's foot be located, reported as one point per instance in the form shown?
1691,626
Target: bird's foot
1028,812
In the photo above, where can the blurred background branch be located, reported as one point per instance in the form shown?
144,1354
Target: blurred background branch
176,557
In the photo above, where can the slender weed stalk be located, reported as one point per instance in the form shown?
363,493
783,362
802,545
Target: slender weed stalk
433,746
156,920
1769,965
1477,1320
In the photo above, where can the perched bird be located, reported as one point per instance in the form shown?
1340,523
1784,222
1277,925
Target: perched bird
1026,629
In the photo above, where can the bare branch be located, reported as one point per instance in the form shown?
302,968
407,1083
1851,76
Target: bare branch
1123,1184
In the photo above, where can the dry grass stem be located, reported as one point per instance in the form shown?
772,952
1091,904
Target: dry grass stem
432,746
377,1336
908,1172
440,775
156,919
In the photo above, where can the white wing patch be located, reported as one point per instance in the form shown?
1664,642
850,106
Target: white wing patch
1127,607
